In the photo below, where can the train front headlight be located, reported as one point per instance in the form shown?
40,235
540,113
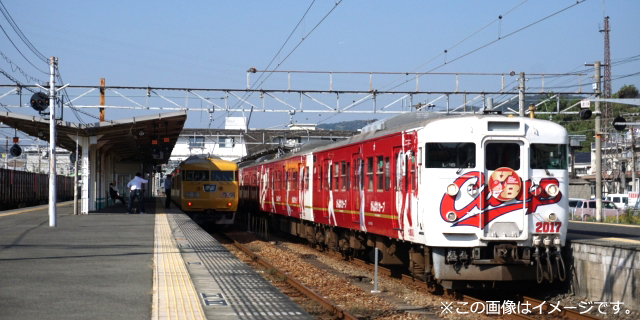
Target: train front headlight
452,216
552,217
452,189
552,190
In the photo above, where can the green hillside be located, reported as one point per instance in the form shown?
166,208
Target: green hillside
345,125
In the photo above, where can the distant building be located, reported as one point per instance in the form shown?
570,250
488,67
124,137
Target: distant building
582,163
233,143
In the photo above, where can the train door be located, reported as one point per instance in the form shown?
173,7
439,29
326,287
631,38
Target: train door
399,188
327,194
356,195
506,170
318,191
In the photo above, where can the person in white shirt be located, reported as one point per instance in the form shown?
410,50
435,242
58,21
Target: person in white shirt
135,185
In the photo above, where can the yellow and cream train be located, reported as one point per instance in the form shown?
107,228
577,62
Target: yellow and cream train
206,188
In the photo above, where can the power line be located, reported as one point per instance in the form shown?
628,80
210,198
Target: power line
496,40
17,30
15,81
14,45
15,67
460,42
288,55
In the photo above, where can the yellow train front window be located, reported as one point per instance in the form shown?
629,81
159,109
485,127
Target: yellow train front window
196,175
223,176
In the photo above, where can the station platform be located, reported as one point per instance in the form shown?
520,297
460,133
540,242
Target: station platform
605,261
110,265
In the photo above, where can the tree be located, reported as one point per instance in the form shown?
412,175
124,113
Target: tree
627,92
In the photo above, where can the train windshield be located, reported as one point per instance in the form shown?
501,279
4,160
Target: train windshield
502,154
222,176
450,155
548,156
196,175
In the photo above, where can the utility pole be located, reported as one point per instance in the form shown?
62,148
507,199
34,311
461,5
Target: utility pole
633,161
521,95
598,140
75,181
53,63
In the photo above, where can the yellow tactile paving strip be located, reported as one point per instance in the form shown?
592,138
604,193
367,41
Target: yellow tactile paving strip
174,296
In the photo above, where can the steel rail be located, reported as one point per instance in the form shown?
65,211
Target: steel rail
328,305
452,294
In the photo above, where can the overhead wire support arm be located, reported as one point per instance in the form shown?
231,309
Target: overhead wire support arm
207,100
168,100
316,100
278,99
131,100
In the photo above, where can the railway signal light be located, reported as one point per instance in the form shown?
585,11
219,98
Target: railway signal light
585,113
619,123
40,101
15,150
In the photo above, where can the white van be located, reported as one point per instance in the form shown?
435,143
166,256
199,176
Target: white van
620,200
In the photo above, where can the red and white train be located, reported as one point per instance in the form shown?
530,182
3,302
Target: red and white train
455,199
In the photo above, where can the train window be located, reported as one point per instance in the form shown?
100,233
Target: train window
370,173
361,174
196,175
222,176
306,180
379,173
280,180
295,181
287,180
502,154
276,184
450,155
336,176
345,175
319,178
414,177
387,174
397,186
548,156
329,170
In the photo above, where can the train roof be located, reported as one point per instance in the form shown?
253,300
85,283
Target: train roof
403,122
206,161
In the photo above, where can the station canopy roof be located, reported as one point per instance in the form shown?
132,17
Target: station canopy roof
129,139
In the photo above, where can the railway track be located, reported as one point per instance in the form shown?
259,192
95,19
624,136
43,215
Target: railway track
338,312
452,294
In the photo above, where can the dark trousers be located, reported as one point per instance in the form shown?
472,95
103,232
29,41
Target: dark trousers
136,194
167,202
117,197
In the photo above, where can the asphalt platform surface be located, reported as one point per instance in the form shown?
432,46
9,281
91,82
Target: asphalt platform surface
96,266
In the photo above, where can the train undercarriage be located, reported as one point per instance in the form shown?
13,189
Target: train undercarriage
451,268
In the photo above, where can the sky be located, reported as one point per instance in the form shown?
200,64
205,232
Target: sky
212,44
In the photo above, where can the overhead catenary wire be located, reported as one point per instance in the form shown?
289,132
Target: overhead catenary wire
15,81
20,34
15,67
288,55
461,41
496,40
14,45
